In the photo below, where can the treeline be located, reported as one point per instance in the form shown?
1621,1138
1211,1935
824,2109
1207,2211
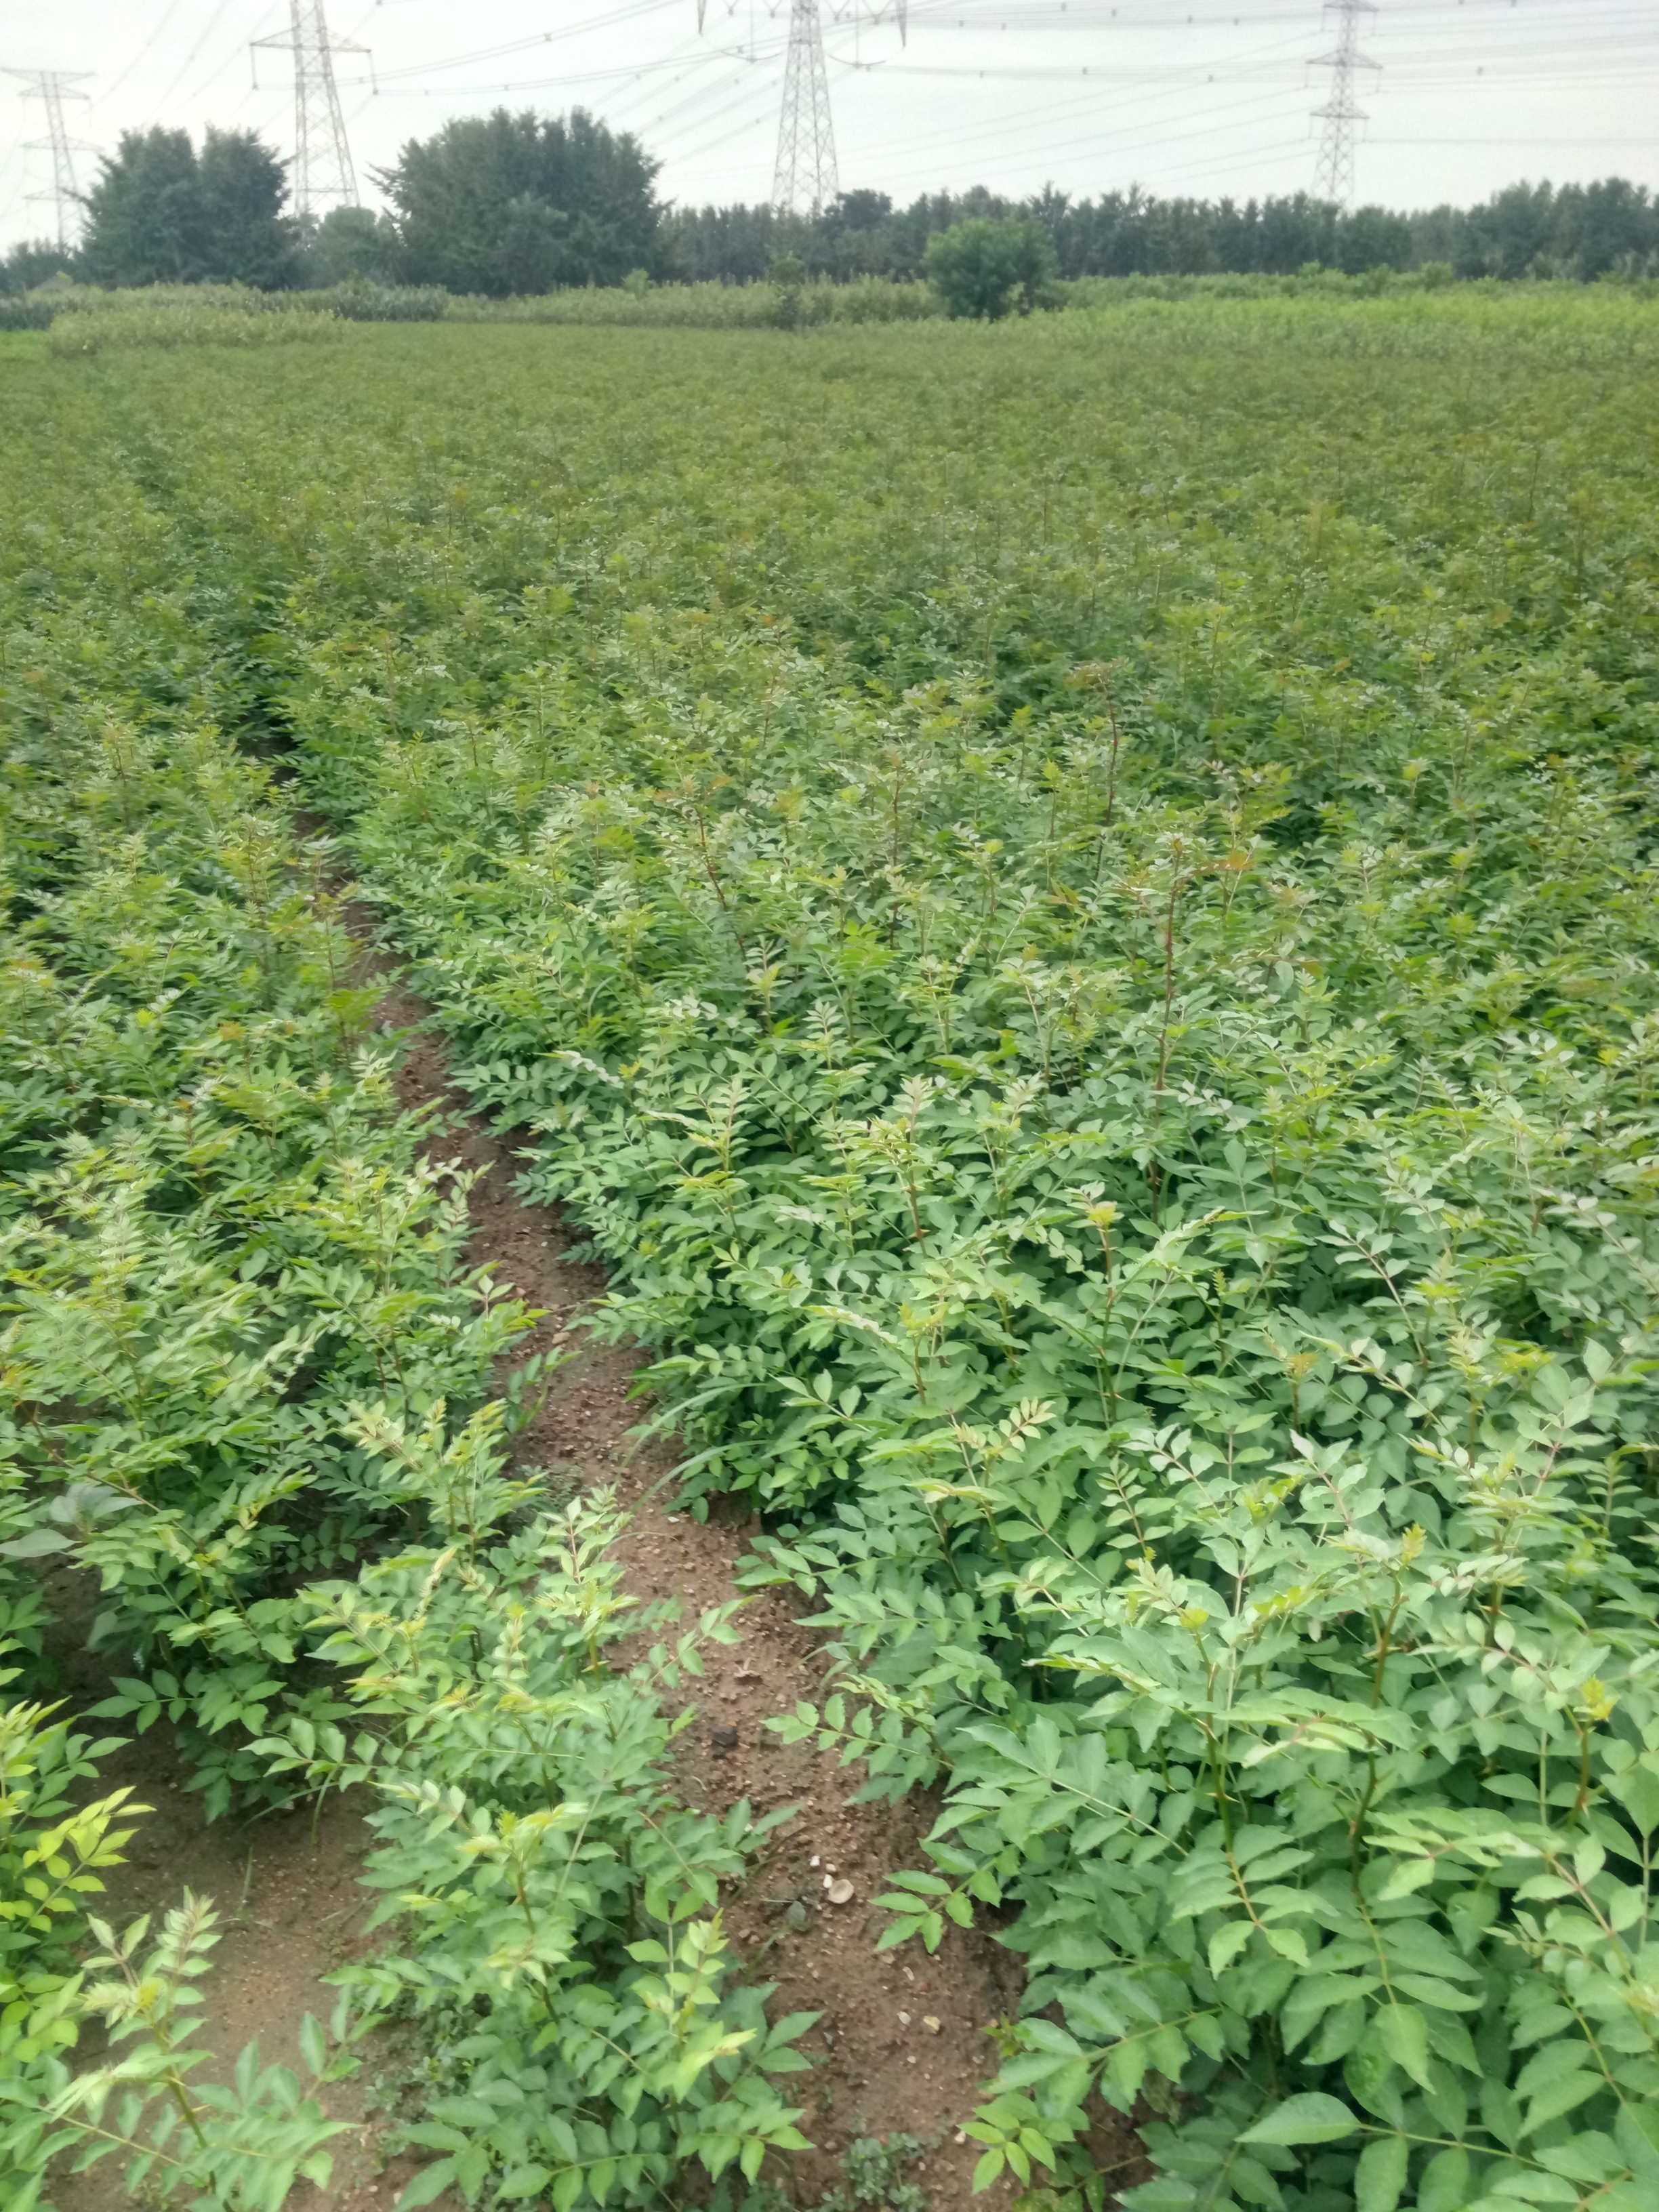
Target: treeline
509,205
1570,231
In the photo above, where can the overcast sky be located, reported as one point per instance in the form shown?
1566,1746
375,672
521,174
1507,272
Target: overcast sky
1192,96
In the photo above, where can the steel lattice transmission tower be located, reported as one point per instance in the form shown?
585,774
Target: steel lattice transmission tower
1334,179
324,176
804,177
52,88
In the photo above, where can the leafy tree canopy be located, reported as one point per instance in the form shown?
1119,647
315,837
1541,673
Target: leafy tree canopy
33,261
986,266
353,245
1582,231
161,213
518,204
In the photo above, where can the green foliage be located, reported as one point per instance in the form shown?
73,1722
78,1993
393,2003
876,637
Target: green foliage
787,275
560,1945
158,212
242,2143
77,336
989,266
875,2171
352,246
1090,1183
518,204
1091,972
51,1849
34,261
244,1360
875,2176
1578,232
217,1238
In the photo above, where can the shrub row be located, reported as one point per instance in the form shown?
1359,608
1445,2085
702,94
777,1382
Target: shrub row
247,1395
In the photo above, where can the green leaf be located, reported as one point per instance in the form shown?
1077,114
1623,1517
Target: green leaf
1444,2186
1636,2131
39,1544
1561,2096
1403,2033
524,2181
431,2181
1638,1790
1312,2117
1380,2177
313,2044
1227,1942
987,2169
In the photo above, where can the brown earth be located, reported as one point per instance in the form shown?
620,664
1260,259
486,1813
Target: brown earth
902,2041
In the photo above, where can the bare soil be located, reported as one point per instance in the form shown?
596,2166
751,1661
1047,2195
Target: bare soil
902,2041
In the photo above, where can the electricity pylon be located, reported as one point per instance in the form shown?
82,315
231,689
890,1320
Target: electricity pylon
1334,179
803,176
52,88
323,171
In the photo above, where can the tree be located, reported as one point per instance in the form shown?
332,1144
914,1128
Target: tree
1606,226
35,261
989,265
353,245
858,211
1371,238
1510,234
144,212
159,215
243,184
518,204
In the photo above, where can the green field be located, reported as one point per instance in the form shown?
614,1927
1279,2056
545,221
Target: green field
1071,906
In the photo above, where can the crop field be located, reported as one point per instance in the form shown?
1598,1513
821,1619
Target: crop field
1068,909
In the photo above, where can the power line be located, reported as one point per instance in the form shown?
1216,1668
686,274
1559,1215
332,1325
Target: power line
190,58
232,55
605,22
160,24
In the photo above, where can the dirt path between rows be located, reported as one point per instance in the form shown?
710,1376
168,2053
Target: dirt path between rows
901,2044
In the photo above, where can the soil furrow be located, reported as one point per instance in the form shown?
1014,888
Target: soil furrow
901,2043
